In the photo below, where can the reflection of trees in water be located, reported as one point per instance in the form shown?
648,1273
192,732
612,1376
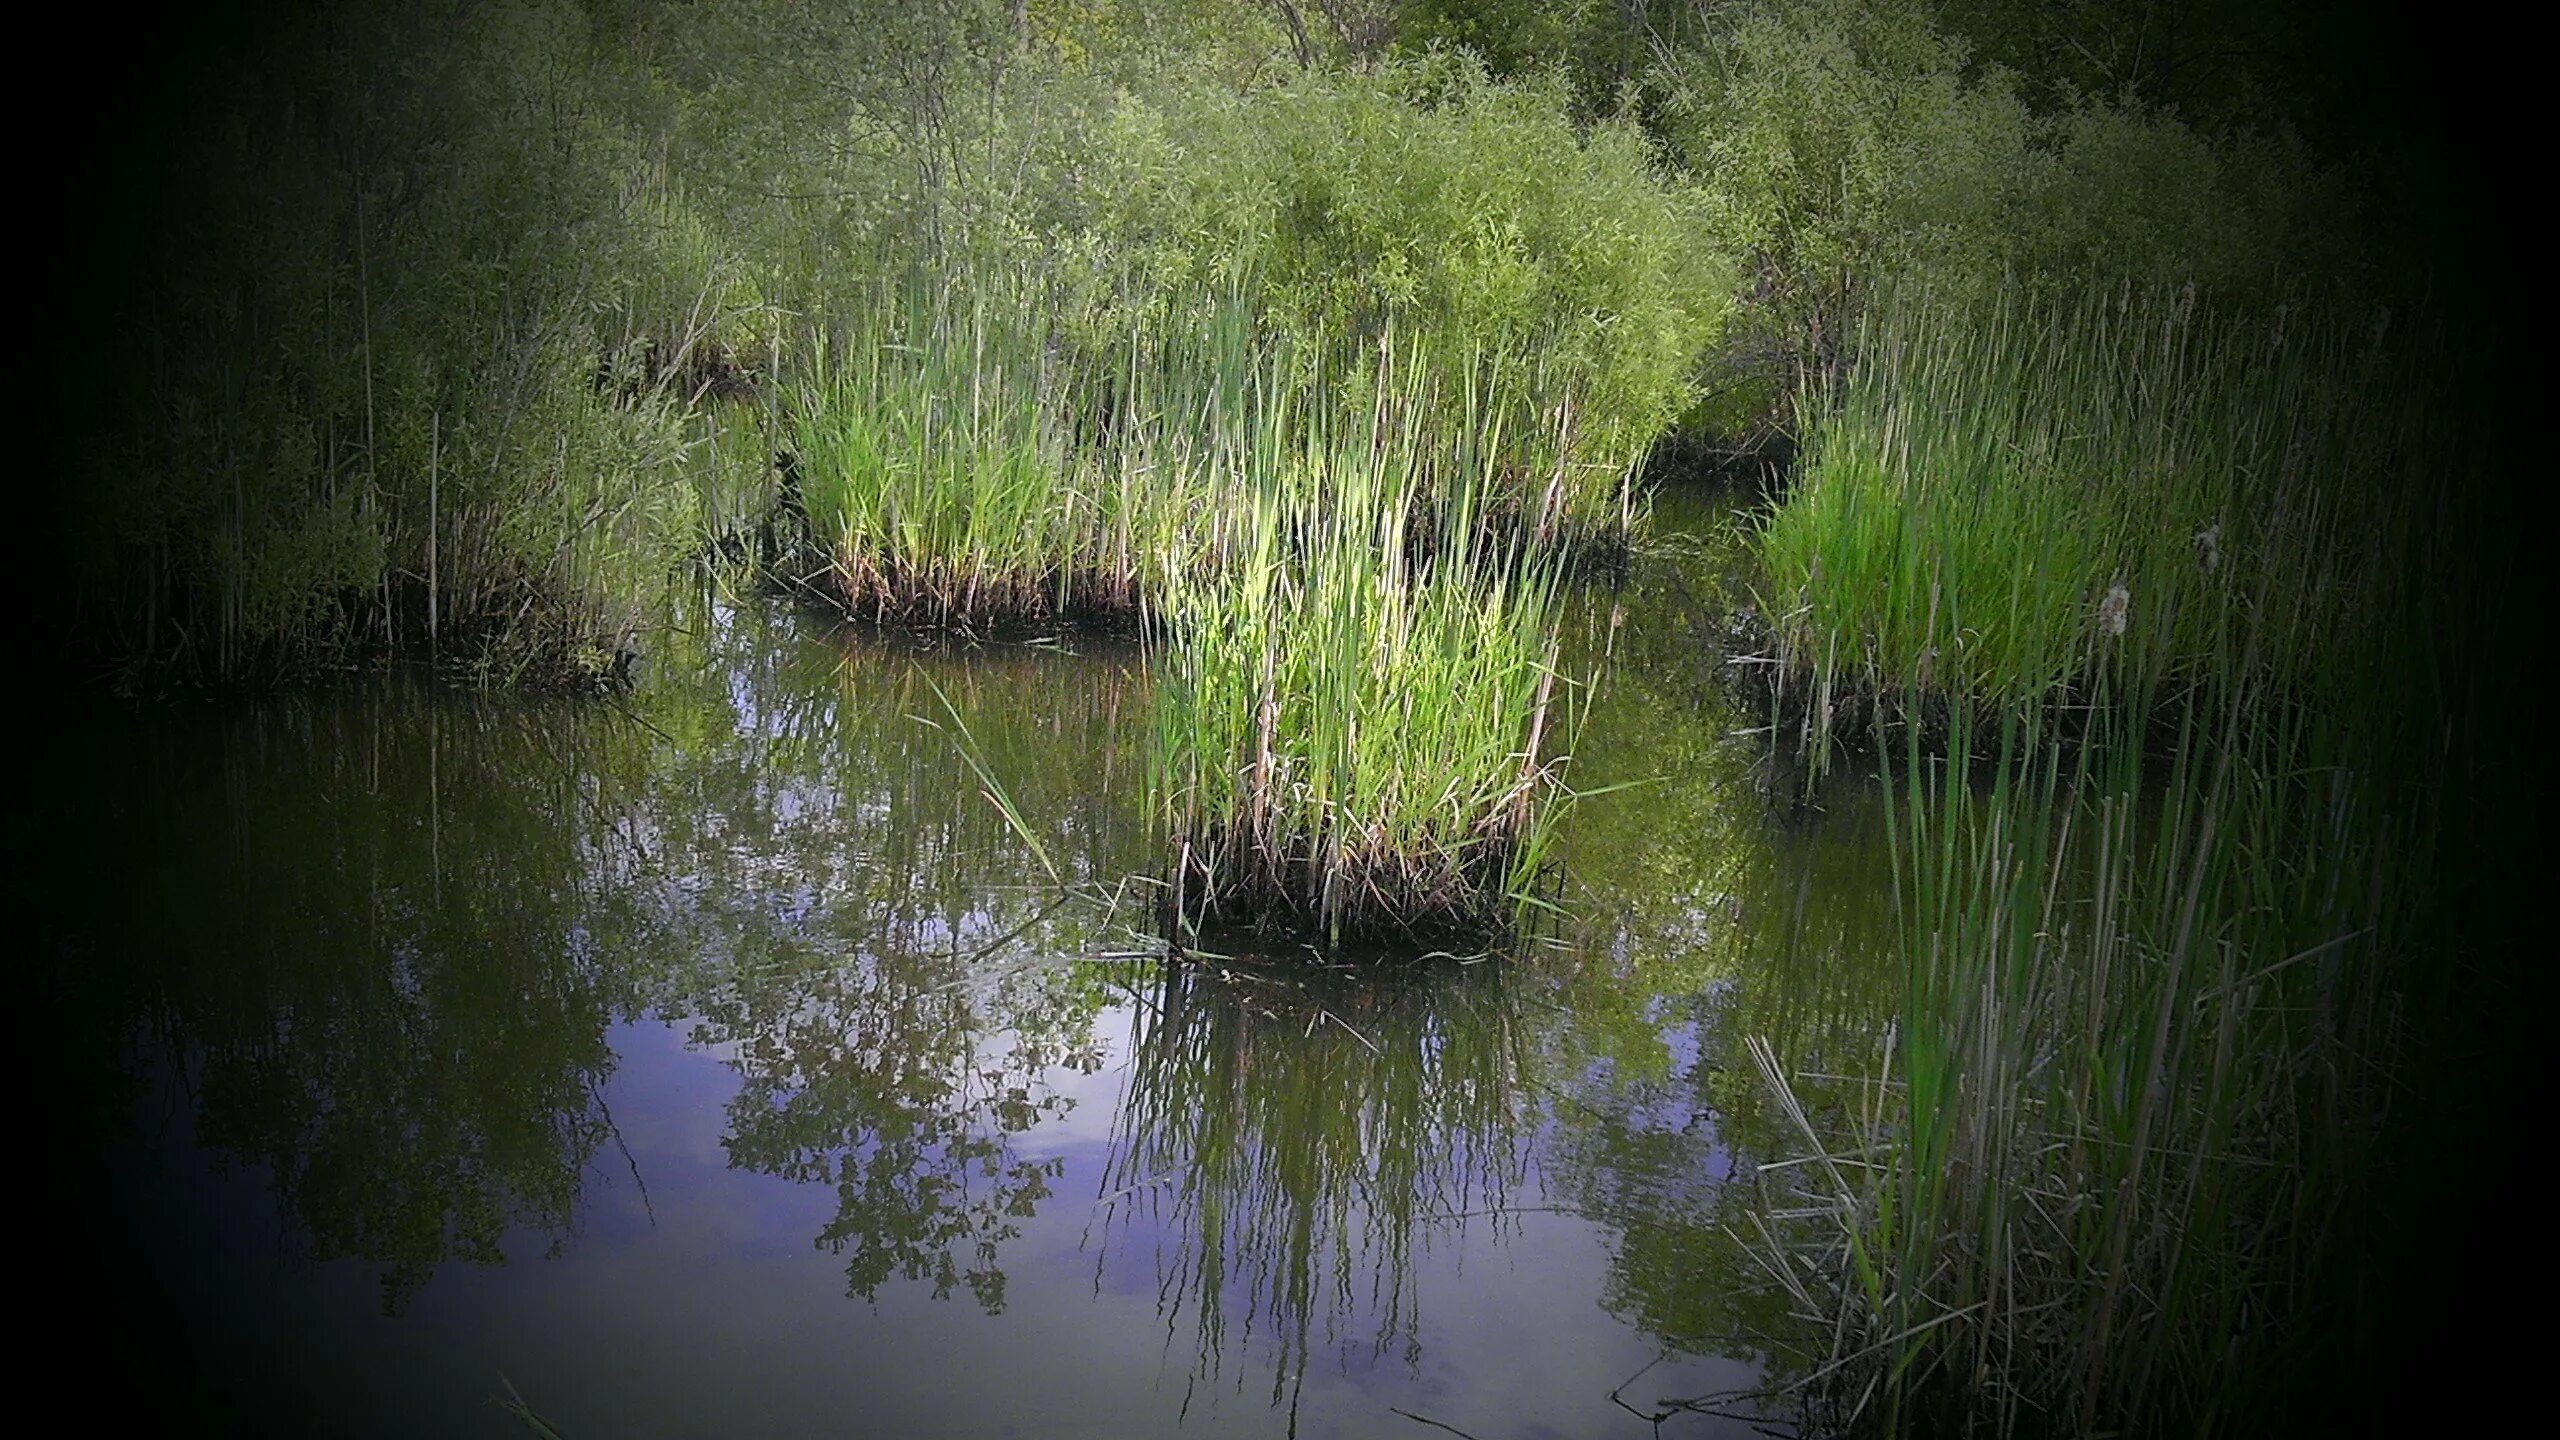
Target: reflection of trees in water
379,939
1669,1117
382,941
805,777
1711,907
881,952
381,979
1289,1136
885,1080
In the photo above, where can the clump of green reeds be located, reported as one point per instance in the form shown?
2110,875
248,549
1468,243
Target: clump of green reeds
964,459
1501,423
952,470
1358,717
2143,1057
2012,499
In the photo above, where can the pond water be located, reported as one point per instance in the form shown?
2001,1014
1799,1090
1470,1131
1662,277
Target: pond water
718,1060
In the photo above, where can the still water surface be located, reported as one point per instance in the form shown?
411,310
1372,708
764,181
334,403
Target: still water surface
720,1061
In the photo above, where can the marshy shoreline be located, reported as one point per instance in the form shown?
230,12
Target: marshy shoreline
1942,605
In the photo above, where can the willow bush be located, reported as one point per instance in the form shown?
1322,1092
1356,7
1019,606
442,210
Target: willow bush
1838,147
1456,216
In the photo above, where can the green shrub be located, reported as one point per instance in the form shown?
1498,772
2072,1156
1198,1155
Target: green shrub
1841,146
1464,221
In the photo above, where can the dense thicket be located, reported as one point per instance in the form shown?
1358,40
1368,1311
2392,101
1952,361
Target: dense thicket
429,322
407,349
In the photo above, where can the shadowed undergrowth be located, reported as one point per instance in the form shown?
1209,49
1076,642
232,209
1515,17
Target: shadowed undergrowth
2184,602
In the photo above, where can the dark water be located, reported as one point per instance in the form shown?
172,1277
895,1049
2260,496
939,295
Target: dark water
721,1061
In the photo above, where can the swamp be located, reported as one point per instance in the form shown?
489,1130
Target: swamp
1638,718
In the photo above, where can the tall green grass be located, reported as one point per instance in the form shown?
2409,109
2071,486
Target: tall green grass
1359,720
2166,875
964,461
966,458
2010,501
2143,1059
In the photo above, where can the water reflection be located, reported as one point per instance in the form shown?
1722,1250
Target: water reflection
743,981
1716,901
417,1056
877,1081
1292,1134
887,964
378,942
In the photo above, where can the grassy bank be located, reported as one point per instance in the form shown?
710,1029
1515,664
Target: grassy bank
964,459
2186,600
2027,502
456,339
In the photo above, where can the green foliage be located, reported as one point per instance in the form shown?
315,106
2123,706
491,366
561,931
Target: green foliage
1509,38
1839,146
1834,139
2026,500
1358,730
1600,46
2216,63
1468,218
440,362
420,368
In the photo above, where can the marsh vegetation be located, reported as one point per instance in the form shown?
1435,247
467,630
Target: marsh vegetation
1855,645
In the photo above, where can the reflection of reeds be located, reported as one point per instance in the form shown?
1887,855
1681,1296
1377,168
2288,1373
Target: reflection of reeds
1293,1133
